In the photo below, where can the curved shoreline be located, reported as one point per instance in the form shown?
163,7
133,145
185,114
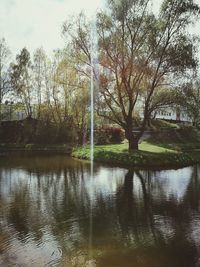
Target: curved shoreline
138,159
64,149
116,155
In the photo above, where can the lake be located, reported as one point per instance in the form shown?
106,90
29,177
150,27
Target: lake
54,213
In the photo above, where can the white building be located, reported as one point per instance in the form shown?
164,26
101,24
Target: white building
172,114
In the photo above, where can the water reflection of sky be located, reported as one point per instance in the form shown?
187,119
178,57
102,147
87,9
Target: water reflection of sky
106,181
174,182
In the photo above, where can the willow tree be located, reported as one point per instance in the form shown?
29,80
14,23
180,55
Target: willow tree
138,51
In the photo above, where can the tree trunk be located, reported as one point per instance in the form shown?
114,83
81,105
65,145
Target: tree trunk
133,144
194,123
132,140
128,182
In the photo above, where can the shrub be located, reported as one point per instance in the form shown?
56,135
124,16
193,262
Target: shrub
109,135
18,131
117,135
46,133
100,137
66,133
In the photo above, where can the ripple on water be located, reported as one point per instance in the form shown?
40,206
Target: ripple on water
45,215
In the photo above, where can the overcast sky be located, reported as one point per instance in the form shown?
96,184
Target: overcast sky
36,23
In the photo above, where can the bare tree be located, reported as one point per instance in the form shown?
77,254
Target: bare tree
39,61
5,86
21,78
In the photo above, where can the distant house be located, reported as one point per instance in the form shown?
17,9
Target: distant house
168,113
173,114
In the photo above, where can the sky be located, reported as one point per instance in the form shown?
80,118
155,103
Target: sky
37,23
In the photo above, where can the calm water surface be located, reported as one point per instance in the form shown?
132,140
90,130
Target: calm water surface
52,213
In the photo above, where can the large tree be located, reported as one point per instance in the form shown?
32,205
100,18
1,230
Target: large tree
138,52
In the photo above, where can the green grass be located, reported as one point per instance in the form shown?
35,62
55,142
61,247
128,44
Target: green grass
145,146
178,146
148,155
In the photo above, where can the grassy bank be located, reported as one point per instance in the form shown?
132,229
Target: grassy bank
59,148
179,147
148,156
182,139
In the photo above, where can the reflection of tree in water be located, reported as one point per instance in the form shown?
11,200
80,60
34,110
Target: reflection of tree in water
192,197
177,250
129,226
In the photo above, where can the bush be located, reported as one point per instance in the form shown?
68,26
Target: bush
46,133
66,133
109,135
18,131
35,131
117,135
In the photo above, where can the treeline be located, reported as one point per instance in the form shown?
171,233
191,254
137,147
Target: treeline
52,88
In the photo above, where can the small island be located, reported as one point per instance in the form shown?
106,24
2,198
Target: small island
164,145
166,148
